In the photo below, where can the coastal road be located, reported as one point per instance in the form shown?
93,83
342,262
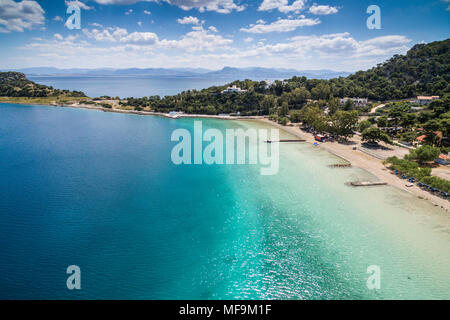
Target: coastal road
377,107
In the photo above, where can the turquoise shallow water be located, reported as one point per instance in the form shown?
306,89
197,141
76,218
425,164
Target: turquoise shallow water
99,190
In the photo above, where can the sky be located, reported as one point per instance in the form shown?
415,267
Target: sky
212,34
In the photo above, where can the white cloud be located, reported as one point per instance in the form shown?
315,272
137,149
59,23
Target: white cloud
57,36
221,6
189,20
80,4
129,12
248,40
18,16
341,46
201,48
139,23
448,8
282,5
385,45
120,35
322,10
147,12
196,40
213,29
140,38
57,18
326,44
121,2
281,25
109,34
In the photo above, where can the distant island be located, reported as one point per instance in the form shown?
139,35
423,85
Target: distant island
225,73
16,85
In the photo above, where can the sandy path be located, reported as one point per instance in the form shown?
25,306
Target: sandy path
377,107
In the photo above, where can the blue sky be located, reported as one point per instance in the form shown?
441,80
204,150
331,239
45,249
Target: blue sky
299,34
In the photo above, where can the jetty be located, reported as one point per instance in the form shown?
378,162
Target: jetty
340,165
366,183
286,140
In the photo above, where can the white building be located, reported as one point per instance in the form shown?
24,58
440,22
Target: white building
233,89
426,99
269,83
357,102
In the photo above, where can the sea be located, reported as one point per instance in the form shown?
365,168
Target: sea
130,86
99,191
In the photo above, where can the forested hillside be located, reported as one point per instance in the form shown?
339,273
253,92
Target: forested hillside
16,84
424,70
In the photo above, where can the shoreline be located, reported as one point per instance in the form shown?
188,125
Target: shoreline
362,160
357,158
135,112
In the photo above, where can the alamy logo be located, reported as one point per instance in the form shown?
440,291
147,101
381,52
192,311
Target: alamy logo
239,146
74,280
374,21
374,280
74,21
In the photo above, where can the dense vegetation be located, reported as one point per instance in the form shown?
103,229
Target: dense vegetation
406,121
16,84
425,69
414,165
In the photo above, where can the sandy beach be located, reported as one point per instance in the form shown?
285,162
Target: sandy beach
370,163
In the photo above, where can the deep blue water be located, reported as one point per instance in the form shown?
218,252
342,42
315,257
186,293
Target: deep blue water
99,191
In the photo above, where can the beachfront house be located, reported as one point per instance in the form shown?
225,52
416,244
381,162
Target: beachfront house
175,114
357,102
443,159
426,99
422,139
233,89
269,83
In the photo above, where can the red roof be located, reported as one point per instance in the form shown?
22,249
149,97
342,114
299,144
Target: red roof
427,97
421,138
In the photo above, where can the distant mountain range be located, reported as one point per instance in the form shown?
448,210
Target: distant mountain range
255,73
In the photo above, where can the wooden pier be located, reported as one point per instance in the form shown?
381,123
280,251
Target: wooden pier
366,183
286,140
340,165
